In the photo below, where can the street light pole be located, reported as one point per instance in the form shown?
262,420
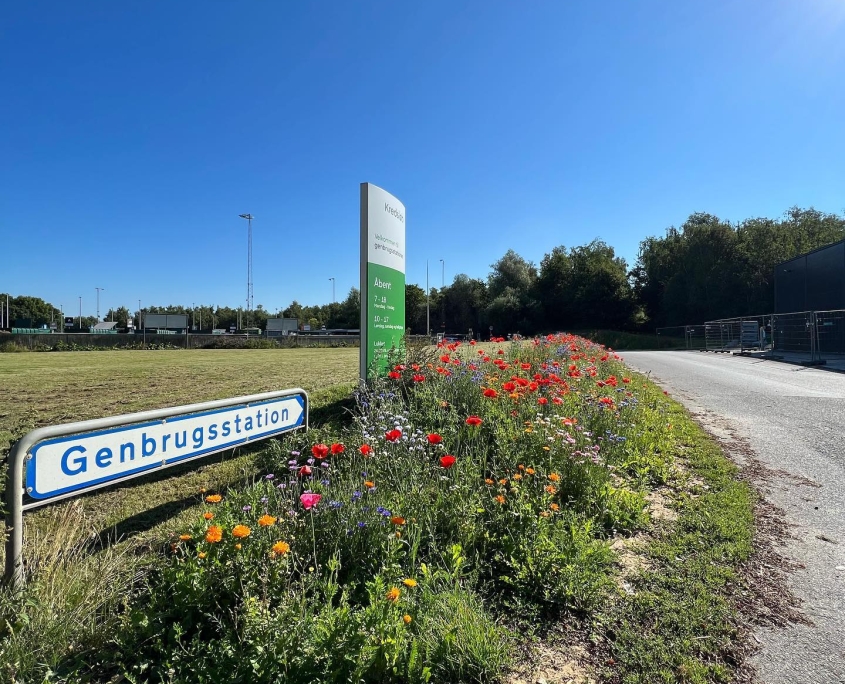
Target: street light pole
442,298
98,301
80,313
333,299
427,303
248,218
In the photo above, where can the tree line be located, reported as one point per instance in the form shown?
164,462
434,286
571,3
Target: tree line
707,268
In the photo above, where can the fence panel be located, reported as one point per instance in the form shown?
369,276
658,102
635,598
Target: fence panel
830,331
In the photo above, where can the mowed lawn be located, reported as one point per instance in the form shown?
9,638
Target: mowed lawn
48,388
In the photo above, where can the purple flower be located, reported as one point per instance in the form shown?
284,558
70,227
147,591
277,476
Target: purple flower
292,462
294,453
247,508
269,476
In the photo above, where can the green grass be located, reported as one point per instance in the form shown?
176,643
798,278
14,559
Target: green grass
682,622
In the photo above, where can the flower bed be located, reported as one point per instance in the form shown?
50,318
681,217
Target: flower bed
471,491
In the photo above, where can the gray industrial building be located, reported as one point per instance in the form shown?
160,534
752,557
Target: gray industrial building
812,282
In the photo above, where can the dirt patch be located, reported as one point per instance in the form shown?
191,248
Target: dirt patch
659,505
545,663
765,599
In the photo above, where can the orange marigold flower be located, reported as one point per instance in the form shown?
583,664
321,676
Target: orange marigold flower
208,515
554,507
214,534
407,618
488,481
213,498
544,514
185,537
280,548
503,481
201,554
266,520
551,489
500,499
240,531
393,594
369,484
516,476
521,466
397,520
409,582
554,477
238,546
530,471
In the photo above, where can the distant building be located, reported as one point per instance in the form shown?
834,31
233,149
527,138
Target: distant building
812,282
104,328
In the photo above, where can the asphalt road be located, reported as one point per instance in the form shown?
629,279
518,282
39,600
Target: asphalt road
794,420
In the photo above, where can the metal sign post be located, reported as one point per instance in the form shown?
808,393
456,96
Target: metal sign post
63,461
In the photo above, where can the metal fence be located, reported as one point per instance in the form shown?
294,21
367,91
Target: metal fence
681,337
812,335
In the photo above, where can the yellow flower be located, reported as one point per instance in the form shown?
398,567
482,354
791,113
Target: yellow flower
554,477
202,490
280,548
407,619
214,534
213,498
207,515
393,594
201,554
266,520
238,546
240,531
547,448
409,582
184,537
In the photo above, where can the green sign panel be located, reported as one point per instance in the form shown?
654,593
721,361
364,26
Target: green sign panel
382,278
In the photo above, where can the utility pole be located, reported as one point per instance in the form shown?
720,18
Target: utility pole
333,299
249,218
80,313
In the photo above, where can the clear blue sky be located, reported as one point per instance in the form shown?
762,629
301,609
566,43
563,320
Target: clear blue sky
132,134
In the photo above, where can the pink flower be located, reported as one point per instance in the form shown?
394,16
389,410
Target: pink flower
309,500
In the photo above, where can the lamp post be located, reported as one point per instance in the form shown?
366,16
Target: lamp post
442,298
98,289
427,304
248,218
80,313
333,300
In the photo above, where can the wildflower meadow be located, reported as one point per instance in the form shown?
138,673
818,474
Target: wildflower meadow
471,492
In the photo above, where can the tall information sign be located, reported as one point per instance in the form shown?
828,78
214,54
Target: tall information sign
382,276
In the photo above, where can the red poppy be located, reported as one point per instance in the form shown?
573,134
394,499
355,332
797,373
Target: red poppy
508,387
365,449
304,470
542,401
447,461
399,367
525,366
434,438
607,401
393,435
472,343
501,352
415,366
626,380
445,358
418,378
337,448
533,386
474,421
393,375
557,400
319,450
490,393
